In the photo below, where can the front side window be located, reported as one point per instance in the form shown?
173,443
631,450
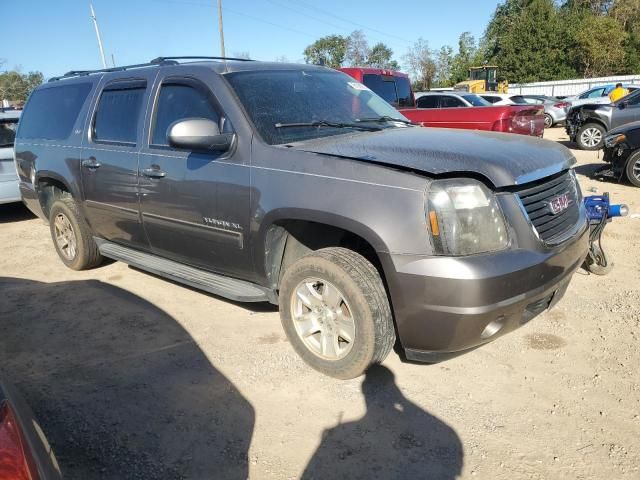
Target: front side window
428,101
451,102
8,129
595,93
277,100
52,112
476,100
177,102
116,118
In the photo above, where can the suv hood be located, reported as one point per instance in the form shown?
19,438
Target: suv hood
504,159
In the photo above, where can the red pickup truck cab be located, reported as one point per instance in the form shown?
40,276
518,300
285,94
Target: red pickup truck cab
395,88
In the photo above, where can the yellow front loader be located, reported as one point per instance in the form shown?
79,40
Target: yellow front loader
483,79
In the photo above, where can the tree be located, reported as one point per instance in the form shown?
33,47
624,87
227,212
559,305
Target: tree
17,86
600,46
420,63
444,64
380,57
330,49
465,58
357,49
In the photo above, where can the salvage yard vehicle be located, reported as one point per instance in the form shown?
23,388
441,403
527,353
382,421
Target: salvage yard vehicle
622,152
587,125
9,191
429,107
297,185
25,453
598,95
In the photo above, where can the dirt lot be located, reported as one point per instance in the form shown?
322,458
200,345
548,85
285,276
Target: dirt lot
132,376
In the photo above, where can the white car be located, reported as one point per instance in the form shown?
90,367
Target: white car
504,98
9,191
597,95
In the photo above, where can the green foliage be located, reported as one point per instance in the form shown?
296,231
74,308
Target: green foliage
380,56
420,63
600,46
331,50
17,86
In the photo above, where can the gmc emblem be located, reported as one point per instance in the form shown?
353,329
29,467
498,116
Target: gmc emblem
559,203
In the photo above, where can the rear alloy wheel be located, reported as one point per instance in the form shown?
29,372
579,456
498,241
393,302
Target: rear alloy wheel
548,121
72,236
590,136
335,312
632,169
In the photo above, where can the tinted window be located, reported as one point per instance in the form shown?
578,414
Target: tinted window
451,102
8,132
632,98
403,88
491,98
518,100
51,112
177,102
476,100
117,116
275,99
383,86
597,92
428,101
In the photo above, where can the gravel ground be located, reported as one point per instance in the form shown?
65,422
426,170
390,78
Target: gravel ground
132,376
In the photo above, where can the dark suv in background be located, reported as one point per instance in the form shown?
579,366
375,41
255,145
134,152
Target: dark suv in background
297,185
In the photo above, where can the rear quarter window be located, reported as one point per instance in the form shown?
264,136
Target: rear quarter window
51,113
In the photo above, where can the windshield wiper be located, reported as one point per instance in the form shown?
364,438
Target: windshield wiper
385,118
325,123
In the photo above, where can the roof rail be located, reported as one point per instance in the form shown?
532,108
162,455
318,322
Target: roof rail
155,62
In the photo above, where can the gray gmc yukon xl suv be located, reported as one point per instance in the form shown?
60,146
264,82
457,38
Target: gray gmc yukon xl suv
297,185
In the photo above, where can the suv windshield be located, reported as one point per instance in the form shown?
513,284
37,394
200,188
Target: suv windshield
281,97
8,132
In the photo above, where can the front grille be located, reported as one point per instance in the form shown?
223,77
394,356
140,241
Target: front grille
537,200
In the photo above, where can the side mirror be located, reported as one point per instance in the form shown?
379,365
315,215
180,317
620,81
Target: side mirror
199,134
622,105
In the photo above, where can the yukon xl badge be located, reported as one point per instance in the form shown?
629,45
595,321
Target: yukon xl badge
559,203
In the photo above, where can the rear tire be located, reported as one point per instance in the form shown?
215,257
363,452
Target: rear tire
321,293
590,136
548,121
72,236
632,169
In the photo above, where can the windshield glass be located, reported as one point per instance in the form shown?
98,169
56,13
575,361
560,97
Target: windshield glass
476,100
299,96
8,132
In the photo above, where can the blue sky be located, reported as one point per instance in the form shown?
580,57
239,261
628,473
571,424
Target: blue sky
55,36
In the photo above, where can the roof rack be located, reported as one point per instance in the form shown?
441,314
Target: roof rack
159,61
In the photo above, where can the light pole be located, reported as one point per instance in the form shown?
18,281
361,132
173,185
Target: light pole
95,24
220,29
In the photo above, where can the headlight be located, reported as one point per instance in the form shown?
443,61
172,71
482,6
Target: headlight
465,218
612,140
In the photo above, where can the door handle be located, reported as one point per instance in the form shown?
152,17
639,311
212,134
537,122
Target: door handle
154,172
91,162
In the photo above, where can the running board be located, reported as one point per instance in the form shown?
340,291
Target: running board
231,288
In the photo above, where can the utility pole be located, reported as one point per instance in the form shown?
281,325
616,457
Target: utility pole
95,24
220,29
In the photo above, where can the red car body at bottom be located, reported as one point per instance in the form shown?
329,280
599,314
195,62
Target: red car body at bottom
395,88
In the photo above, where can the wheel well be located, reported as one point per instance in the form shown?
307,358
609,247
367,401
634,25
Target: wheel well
290,240
49,190
594,120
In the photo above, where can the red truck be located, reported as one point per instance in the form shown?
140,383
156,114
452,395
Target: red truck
395,88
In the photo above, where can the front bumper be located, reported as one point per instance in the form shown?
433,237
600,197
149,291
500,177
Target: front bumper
445,306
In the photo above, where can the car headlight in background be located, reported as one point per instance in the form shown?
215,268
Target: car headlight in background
611,141
465,218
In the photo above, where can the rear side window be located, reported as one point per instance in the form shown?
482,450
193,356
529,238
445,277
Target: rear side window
116,118
8,132
177,102
52,112
491,98
518,100
428,101
383,86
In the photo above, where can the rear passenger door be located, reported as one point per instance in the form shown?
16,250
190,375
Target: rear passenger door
110,160
195,205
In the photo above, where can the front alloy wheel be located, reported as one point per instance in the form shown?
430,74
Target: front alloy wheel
322,319
590,136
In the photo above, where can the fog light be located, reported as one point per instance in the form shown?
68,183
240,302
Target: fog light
493,327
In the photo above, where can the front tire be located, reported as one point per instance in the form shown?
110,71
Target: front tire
335,312
632,169
590,136
72,236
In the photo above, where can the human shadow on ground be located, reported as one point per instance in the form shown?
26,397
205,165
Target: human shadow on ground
395,439
120,389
